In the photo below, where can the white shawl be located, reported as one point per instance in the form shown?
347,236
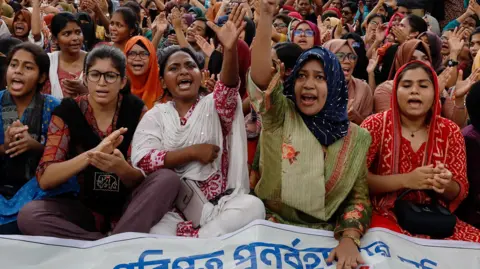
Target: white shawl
160,129
56,88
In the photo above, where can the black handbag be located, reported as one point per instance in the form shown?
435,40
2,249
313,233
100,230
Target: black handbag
431,219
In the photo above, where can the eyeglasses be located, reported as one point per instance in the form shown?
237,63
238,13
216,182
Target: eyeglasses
133,54
279,25
110,77
307,33
373,23
342,56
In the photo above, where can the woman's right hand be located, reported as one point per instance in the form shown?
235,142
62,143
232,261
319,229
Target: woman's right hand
420,178
111,142
205,153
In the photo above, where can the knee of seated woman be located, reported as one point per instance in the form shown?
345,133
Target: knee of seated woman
164,177
253,205
26,216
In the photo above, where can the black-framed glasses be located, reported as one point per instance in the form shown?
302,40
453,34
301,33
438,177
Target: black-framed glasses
307,33
110,77
133,54
279,25
342,56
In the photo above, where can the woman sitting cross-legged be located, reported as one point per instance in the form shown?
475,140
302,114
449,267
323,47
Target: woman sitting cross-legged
25,114
313,159
89,137
202,138
415,149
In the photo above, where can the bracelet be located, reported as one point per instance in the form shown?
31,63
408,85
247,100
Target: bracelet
355,240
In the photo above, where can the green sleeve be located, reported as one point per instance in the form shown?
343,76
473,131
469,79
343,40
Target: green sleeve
271,104
356,211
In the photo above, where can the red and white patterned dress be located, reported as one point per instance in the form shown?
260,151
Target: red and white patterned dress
448,148
225,99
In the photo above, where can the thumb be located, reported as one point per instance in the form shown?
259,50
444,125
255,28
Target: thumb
211,42
460,75
331,256
117,153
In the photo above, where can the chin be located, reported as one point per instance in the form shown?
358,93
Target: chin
309,111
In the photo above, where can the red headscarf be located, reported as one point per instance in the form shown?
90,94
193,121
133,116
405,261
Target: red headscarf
397,127
392,19
334,9
316,35
28,17
244,61
295,15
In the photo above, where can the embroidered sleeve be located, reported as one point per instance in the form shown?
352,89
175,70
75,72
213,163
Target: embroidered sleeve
56,147
456,162
356,211
225,104
153,161
271,103
373,125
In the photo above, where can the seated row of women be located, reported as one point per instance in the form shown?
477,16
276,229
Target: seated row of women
102,164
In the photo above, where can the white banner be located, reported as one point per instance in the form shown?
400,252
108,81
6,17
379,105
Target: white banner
261,244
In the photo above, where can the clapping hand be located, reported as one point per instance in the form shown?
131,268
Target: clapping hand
456,41
110,163
372,62
74,87
441,179
18,140
208,81
111,142
464,86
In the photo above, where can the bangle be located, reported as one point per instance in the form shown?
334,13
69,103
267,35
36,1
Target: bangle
355,240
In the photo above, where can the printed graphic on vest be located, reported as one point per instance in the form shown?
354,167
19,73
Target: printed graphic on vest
106,182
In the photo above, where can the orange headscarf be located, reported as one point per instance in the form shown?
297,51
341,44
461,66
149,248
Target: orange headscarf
146,86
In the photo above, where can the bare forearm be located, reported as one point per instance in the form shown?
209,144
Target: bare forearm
371,81
455,111
157,36
104,21
177,158
384,184
36,22
229,74
182,41
130,176
261,58
451,191
58,173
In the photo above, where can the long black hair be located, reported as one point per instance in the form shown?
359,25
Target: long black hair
130,19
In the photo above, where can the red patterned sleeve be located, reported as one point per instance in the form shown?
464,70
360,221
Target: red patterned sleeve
225,104
56,147
152,161
373,125
456,162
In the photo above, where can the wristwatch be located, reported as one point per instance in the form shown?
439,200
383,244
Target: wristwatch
452,63
355,240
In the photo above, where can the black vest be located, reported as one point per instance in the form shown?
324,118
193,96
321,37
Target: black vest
100,191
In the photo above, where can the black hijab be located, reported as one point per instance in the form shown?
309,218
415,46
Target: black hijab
88,30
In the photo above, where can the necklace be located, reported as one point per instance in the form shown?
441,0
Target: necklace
412,133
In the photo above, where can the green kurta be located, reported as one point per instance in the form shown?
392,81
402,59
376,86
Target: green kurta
303,183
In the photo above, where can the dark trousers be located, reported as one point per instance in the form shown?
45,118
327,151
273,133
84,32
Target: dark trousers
9,228
69,218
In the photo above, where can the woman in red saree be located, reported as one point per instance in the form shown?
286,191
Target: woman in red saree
413,147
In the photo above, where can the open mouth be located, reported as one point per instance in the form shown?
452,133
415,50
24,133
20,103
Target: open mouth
346,71
17,84
19,29
308,99
185,84
137,67
414,102
190,35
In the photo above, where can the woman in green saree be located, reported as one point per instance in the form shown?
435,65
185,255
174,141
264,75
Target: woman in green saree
314,158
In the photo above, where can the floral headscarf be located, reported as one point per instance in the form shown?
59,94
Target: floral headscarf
331,123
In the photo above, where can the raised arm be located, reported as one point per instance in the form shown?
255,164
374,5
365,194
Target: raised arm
177,26
36,21
261,47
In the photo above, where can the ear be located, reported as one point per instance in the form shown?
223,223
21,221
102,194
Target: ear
42,78
124,82
164,85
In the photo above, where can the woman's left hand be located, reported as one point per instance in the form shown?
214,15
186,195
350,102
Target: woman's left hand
347,255
110,163
441,179
228,33
24,142
74,87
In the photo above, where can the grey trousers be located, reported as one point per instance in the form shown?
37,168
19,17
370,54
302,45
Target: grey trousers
69,218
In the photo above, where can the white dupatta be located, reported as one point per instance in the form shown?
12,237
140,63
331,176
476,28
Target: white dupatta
160,129
56,88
